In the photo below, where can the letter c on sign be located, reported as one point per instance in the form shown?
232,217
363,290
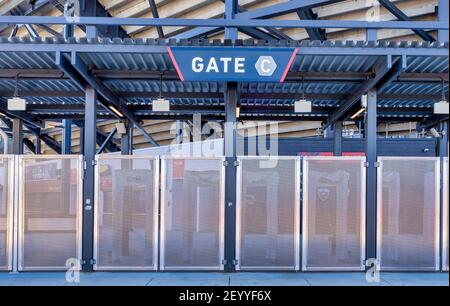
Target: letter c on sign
265,66
197,64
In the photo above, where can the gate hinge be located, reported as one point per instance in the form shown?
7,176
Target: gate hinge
235,262
93,262
224,262
235,164
94,162
376,164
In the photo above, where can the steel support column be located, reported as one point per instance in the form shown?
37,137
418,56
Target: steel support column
38,145
90,143
443,152
231,102
371,184
127,140
67,137
17,136
231,8
81,127
337,138
443,15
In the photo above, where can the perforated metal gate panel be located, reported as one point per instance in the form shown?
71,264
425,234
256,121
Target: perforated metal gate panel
6,201
126,213
333,213
408,213
268,214
192,214
445,224
49,211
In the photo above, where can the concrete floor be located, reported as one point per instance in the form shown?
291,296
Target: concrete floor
222,279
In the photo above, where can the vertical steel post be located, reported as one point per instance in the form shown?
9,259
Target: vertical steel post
127,140
81,127
443,152
17,136
38,145
67,137
231,8
337,138
90,143
371,35
68,31
443,15
231,102
89,9
371,184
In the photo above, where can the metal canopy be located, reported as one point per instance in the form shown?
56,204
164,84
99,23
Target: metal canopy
131,69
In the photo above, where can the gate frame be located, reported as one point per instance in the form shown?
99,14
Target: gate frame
437,218
155,159
297,212
10,213
21,202
363,207
445,216
163,185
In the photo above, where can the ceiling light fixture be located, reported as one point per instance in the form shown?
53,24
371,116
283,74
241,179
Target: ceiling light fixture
303,105
441,107
115,111
16,103
160,104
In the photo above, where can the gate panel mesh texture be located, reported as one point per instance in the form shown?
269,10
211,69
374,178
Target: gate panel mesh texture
333,210
192,212
49,213
408,214
125,213
6,165
267,210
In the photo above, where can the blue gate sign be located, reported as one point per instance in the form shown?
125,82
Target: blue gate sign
229,64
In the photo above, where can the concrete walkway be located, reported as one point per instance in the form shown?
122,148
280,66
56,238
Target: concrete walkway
222,279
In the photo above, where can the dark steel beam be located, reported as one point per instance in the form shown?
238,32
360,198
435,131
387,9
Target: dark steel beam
371,175
50,30
23,115
67,137
127,140
48,74
90,144
155,14
227,23
51,143
83,70
230,138
443,15
262,13
30,145
259,34
337,138
17,129
231,9
313,33
380,70
107,141
394,10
